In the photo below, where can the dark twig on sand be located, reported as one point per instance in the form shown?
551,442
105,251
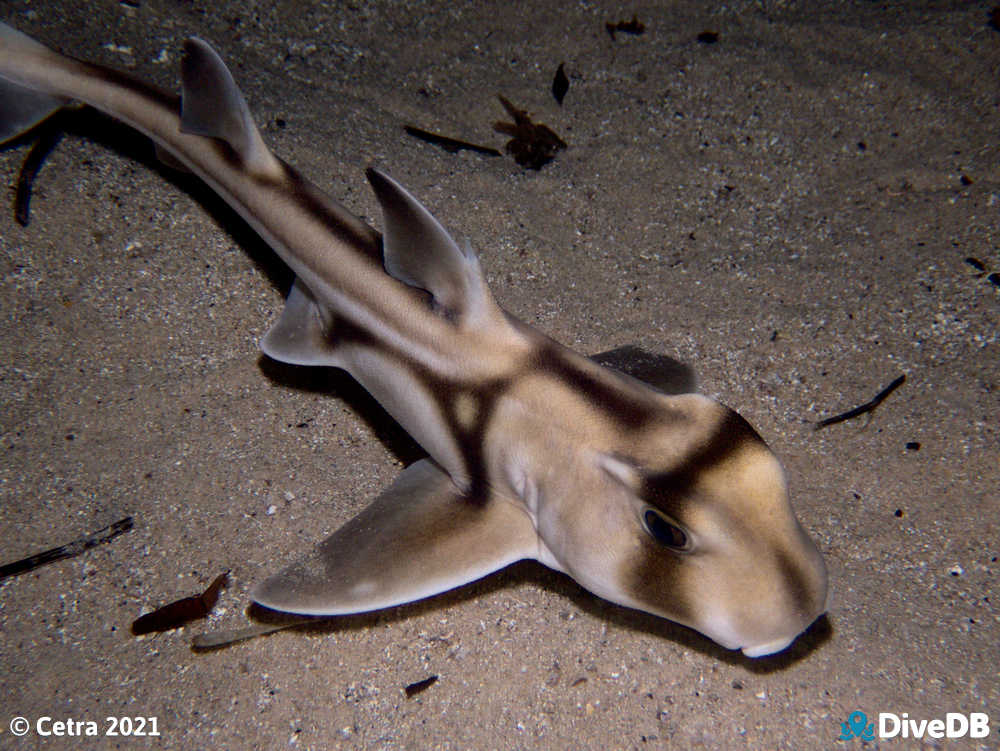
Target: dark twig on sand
866,407
66,551
451,145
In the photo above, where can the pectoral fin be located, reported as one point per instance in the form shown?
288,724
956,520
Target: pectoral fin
419,538
663,373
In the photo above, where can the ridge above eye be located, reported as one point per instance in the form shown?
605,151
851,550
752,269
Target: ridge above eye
665,532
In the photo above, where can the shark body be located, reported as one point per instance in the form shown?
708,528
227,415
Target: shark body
669,503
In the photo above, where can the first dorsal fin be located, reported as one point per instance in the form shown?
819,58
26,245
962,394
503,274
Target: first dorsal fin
420,252
212,105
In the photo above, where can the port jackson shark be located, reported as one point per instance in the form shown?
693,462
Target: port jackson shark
666,502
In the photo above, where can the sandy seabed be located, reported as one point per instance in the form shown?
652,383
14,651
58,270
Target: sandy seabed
803,209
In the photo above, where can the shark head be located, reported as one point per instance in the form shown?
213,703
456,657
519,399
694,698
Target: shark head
694,525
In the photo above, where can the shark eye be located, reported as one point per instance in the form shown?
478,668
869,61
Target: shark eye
664,532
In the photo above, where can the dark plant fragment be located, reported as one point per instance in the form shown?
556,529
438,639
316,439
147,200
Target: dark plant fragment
451,145
420,686
975,263
635,27
532,144
560,84
179,612
708,37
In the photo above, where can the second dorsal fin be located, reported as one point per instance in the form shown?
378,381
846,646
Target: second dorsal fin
212,105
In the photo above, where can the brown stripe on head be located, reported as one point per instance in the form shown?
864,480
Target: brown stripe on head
731,436
805,594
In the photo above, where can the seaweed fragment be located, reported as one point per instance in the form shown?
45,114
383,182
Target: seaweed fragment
420,686
634,27
68,550
708,37
560,84
179,612
532,144
868,406
451,145
976,264
980,267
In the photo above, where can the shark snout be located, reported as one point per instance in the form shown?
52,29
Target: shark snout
793,608
782,642
768,611
768,634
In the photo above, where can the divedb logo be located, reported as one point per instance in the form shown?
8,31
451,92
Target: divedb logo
890,725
